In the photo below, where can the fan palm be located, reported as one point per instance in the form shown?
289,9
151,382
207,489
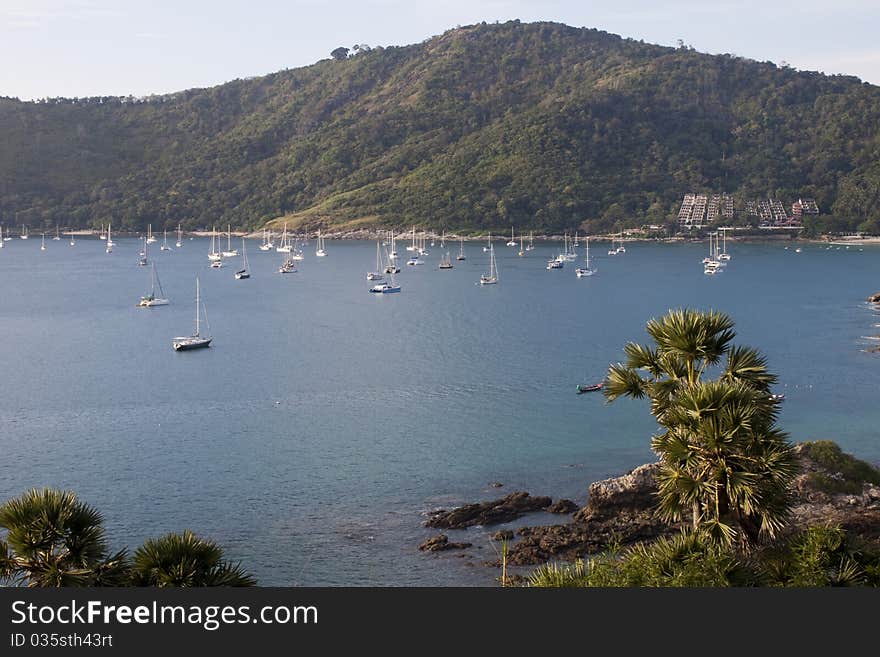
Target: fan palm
721,455
54,539
185,560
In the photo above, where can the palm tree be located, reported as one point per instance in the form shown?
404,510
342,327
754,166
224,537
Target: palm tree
721,455
53,539
185,560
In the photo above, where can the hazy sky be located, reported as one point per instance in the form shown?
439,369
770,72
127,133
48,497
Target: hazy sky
121,47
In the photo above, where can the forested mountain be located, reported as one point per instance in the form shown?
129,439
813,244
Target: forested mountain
538,125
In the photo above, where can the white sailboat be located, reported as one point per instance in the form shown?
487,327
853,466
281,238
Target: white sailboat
284,246
492,277
267,241
214,255
43,242
446,262
376,274
152,299
102,235
1,236
142,261
229,252
386,287
319,247
57,237
196,340
178,243
586,270
288,266
150,238
412,247
165,246
72,240
522,247
109,248
245,271
724,255
24,232
488,244
512,241
460,255
531,245
621,248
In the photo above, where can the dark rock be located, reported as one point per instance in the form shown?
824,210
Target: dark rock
441,542
874,298
496,484
503,535
488,513
563,506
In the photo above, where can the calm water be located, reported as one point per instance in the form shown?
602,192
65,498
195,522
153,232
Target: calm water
323,421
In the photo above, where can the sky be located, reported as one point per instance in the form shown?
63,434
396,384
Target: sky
78,48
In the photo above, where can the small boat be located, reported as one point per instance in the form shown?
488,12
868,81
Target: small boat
320,251
229,252
376,274
555,264
586,270
150,238
244,272
512,241
150,300
165,246
109,248
492,277
285,246
142,259
24,232
1,236
778,397
488,244
461,255
196,340
288,266
102,235
414,260
267,241
214,255
582,388
57,237
389,287
446,262
178,244
72,240
43,243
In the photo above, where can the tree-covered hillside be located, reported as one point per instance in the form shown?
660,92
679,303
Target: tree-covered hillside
540,125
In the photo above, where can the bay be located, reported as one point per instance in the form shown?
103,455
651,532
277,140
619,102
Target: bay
324,421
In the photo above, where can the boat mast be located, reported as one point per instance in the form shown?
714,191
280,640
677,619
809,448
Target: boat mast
197,305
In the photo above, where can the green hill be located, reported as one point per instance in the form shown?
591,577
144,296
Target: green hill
539,125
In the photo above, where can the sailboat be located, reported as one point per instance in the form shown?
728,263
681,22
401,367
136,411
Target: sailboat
531,245
43,243
150,300
492,277
102,235
522,247
376,275
244,272
57,237
196,340
24,232
512,241
391,267
586,270
1,236
461,255
388,287
142,261
288,266
267,241
214,255
179,243
296,251
392,254
319,247
229,252
72,240
165,246
621,248
488,244
4,239
443,239
412,247
446,262
724,255
284,247
150,238
109,248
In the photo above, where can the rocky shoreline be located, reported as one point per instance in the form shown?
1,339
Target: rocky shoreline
620,511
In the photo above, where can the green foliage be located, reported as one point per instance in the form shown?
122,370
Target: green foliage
846,474
818,556
54,539
722,458
541,126
185,560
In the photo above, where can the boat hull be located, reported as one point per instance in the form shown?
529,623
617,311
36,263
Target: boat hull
188,344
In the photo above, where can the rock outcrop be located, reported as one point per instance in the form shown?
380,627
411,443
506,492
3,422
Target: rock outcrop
488,513
441,542
874,298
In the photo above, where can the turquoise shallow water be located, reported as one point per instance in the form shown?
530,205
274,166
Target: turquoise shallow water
324,421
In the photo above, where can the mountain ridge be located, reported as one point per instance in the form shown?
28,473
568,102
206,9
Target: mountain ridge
535,125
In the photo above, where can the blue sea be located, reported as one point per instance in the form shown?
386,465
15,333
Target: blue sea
323,422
